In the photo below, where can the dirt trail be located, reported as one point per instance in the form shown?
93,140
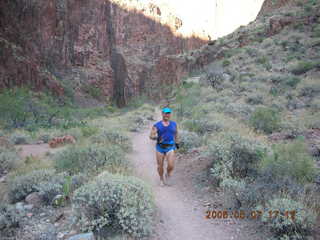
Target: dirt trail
180,215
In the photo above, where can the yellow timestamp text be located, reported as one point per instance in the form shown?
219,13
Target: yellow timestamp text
253,214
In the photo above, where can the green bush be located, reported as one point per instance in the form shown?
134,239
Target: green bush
245,155
202,126
290,160
234,157
45,137
262,60
115,203
293,221
23,108
252,52
316,31
238,110
303,67
226,63
232,189
186,100
310,90
20,186
189,140
9,218
112,137
92,90
232,52
218,152
20,107
255,99
9,159
285,81
48,190
88,131
20,138
315,105
265,119
91,159
46,182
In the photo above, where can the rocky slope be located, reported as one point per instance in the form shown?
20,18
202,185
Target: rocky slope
104,48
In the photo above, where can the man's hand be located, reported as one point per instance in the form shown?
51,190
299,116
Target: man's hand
153,134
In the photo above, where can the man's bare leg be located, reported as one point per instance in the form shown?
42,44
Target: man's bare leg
170,158
160,160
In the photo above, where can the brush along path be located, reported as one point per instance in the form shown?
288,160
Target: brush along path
180,215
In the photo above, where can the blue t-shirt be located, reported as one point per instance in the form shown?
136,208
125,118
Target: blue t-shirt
166,133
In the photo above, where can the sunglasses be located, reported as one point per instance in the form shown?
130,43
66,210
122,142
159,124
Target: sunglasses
166,112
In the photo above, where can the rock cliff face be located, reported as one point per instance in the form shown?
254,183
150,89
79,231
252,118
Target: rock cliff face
113,47
270,5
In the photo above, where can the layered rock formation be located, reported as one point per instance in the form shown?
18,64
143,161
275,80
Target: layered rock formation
115,47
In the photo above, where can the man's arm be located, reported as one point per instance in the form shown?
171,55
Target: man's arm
153,133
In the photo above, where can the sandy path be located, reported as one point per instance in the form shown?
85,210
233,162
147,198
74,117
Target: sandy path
36,150
180,216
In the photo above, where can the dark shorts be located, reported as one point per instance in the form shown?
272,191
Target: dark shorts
165,150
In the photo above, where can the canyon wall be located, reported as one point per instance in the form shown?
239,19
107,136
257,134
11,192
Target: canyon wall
77,45
113,49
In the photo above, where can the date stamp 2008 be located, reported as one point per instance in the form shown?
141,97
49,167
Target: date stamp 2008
254,214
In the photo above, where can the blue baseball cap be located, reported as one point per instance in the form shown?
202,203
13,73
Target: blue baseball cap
166,110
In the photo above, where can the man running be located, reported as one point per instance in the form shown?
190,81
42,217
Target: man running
166,134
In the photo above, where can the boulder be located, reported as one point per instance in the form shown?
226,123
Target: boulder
35,199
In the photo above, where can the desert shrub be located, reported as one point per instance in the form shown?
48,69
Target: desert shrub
290,160
20,186
115,202
8,159
215,79
311,195
226,63
265,119
20,107
202,126
20,138
264,187
232,52
114,137
78,180
293,221
252,52
315,105
239,110
310,89
45,137
232,189
48,190
255,99
9,218
23,108
245,156
92,159
186,100
235,157
189,140
88,131
285,81
303,67
316,31
92,90
265,62
292,81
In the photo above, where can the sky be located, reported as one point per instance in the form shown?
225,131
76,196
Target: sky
217,17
